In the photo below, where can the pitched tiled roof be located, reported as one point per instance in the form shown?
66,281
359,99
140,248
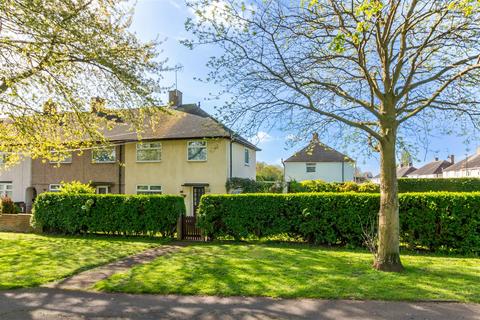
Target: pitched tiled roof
472,161
316,151
181,123
434,167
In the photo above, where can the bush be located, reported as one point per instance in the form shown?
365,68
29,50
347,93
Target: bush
76,187
111,214
449,221
7,205
439,184
245,185
322,186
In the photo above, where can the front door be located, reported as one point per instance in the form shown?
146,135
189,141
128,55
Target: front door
198,192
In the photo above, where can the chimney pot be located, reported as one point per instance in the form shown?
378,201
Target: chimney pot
315,136
97,104
452,159
175,98
436,158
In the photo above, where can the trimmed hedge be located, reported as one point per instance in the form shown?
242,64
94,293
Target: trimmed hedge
439,184
111,214
322,186
448,221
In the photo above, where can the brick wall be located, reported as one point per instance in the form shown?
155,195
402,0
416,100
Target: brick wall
15,222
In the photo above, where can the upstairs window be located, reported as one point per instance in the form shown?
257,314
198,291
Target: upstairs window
149,152
61,157
197,151
6,189
54,188
104,155
311,167
147,189
247,157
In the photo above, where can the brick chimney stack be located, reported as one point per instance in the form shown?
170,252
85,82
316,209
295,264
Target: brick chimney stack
175,98
452,159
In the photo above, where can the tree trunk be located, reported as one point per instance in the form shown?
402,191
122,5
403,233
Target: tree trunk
388,253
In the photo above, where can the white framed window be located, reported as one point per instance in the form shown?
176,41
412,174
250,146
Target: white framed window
197,151
149,189
62,158
104,155
6,189
149,152
102,189
54,188
311,167
246,153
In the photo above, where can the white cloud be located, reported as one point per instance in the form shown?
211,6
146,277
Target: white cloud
222,13
261,137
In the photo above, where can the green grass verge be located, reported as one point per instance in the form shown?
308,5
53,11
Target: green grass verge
29,260
299,271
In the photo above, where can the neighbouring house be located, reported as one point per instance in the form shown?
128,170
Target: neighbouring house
16,182
319,161
402,172
432,169
466,168
187,152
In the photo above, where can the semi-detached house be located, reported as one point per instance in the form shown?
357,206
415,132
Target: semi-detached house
187,153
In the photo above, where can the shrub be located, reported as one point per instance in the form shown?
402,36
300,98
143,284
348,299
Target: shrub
439,184
449,221
76,187
245,185
112,214
368,187
7,205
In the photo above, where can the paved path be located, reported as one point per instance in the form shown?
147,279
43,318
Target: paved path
55,304
85,280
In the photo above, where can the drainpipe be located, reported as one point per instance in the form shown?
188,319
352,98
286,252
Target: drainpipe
231,155
120,160
343,171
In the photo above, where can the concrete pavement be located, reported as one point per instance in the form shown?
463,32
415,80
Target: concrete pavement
56,304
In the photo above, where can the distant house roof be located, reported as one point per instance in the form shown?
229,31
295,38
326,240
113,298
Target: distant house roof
470,162
404,171
316,151
434,167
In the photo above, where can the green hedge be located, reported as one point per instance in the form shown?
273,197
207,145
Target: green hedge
439,184
111,214
322,186
449,221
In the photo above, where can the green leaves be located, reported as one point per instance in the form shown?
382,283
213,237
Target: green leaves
435,221
111,214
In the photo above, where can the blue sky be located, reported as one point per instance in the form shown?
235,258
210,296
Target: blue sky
164,19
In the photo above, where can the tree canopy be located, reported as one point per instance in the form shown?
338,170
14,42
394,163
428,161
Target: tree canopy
380,71
269,172
58,54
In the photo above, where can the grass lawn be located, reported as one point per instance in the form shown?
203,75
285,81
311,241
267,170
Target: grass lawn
296,271
28,260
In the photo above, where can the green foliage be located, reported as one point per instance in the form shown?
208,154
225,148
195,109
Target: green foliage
76,187
447,221
322,186
245,185
7,205
69,50
112,214
269,172
439,184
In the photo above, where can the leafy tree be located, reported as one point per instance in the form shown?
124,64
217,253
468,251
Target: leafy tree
55,56
269,172
376,70
76,187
